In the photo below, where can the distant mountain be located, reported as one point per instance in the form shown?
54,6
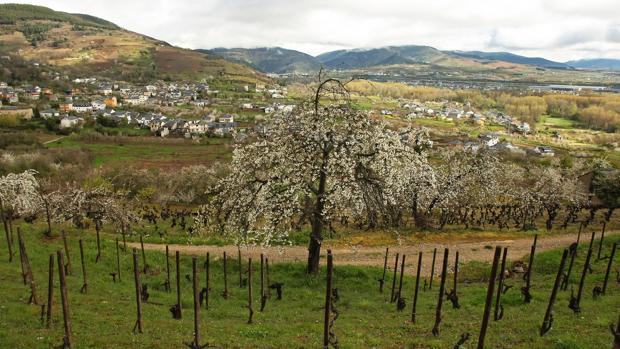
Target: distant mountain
391,55
84,44
596,63
270,59
510,57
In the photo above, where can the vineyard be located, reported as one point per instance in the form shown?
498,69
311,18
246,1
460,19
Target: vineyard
101,298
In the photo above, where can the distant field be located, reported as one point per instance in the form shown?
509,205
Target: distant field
149,152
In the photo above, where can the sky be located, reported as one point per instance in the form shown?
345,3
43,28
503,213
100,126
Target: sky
555,29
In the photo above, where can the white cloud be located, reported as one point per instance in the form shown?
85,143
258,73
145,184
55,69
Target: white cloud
555,29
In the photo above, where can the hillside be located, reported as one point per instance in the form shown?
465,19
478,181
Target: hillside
362,58
83,44
511,58
270,59
597,63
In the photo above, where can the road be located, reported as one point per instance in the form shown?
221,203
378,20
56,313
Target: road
374,256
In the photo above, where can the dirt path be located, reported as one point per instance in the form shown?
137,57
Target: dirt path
54,140
374,256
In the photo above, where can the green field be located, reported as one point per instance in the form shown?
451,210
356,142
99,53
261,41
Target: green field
104,317
148,151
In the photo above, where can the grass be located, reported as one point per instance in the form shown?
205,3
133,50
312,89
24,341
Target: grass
147,151
105,316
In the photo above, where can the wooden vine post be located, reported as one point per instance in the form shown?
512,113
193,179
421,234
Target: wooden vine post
328,299
66,316
453,295
548,320
430,284
136,274
26,269
225,293
417,287
50,292
499,308
84,288
196,342
394,278
609,263
382,280
575,301
399,299
167,285
146,266
176,309
263,296
240,267
250,309
97,230
207,289
118,261
600,244
442,285
66,246
489,299
525,290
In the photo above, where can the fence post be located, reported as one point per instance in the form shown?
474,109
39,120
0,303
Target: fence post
50,292
417,287
525,290
251,310
84,288
499,308
178,311
430,283
611,260
574,303
548,320
394,278
225,293
167,285
136,274
67,342
328,299
66,246
489,299
442,285
400,284
382,280
118,261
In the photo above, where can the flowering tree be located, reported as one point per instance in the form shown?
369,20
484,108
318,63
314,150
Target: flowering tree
97,204
19,195
327,160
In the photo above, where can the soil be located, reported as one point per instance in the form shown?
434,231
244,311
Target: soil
481,251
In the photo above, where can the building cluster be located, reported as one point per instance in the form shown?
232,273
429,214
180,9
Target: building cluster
124,103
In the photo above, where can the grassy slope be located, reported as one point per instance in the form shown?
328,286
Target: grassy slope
104,317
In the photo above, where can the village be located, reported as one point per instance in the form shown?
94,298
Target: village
193,110
154,107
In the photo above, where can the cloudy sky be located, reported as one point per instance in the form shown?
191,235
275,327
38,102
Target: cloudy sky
555,29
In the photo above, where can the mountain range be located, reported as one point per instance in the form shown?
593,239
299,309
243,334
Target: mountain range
281,60
84,44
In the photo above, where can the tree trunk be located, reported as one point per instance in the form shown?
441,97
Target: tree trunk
316,235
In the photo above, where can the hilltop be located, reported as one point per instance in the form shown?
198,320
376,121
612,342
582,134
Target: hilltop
270,59
84,44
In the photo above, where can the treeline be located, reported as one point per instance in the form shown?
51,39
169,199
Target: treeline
598,112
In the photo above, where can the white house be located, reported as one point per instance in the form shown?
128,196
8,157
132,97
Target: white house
70,121
83,107
98,105
489,139
49,113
